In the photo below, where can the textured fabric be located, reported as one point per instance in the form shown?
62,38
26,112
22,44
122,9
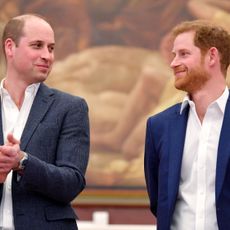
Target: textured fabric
56,139
13,121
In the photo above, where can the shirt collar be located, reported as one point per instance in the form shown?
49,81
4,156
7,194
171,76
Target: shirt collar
184,103
32,89
221,101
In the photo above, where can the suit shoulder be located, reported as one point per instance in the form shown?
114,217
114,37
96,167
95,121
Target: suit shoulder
167,113
69,100
66,96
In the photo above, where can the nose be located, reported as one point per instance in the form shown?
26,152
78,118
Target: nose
174,62
46,54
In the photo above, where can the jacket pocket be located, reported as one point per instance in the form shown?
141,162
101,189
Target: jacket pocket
56,212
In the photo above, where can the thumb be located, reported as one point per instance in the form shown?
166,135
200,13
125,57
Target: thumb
12,140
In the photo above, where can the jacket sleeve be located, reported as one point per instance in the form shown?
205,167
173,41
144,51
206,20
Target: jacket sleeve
61,178
151,167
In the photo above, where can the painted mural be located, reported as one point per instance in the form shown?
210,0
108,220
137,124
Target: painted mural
116,55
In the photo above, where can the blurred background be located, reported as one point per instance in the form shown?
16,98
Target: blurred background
116,55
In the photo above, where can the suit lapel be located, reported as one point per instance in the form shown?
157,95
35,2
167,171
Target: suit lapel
1,128
177,131
1,143
223,150
41,104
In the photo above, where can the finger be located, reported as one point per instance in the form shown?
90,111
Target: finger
5,170
11,139
7,164
9,151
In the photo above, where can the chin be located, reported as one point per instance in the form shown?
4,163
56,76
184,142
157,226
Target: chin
181,86
39,79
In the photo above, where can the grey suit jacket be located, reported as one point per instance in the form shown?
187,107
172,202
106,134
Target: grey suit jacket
56,138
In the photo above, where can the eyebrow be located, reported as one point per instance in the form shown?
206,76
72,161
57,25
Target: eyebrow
180,50
41,41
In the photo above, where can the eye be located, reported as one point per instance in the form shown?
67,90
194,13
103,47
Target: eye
184,53
37,45
51,48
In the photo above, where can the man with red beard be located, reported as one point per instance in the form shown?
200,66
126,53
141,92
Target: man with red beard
187,148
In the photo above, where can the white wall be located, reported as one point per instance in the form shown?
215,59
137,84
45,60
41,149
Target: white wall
100,221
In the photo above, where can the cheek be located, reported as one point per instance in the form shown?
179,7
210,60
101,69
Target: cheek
52,57
22,57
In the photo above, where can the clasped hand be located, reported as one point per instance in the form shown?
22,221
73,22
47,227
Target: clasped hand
10,156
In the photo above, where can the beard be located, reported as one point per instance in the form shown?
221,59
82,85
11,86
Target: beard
193,81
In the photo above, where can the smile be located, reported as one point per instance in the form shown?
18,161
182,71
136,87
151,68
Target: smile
43,66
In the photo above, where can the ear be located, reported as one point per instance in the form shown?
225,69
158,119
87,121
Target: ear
9,47
213,56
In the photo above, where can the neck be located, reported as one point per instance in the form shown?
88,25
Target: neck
203,98
16,91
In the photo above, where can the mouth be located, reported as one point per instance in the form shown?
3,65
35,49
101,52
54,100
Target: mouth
178,71
43,68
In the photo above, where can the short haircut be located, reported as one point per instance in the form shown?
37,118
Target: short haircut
208,35
14,28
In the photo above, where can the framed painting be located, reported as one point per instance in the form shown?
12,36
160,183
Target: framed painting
116,56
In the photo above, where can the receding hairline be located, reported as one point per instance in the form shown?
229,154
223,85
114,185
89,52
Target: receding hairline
15,27
24,17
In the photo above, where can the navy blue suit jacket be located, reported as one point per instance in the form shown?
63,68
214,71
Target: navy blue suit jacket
56,138
165,136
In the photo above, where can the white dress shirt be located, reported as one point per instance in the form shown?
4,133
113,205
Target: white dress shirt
195,206
13,120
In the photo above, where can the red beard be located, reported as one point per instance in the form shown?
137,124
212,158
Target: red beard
192,80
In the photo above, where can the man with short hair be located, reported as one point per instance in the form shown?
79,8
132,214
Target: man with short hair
187,149
44,134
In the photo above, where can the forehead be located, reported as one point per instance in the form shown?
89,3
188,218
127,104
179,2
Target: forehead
184,40
38,29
